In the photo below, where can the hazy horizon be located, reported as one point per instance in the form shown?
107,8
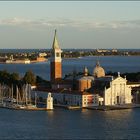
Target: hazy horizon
79,24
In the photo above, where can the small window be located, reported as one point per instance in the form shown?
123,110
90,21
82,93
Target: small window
57,54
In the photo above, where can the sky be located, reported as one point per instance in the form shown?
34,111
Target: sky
79,24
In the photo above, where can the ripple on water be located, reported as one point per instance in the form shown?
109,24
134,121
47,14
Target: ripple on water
76,124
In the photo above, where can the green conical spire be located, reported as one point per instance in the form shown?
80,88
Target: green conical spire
55,42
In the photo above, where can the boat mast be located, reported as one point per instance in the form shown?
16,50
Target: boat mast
12,93
26,90
2,93
17,94
29,93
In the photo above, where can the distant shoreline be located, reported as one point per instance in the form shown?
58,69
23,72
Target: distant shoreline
100,56
35,61
26,50
23,62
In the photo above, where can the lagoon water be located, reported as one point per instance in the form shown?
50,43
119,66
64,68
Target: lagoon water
109,63
68,124
72,124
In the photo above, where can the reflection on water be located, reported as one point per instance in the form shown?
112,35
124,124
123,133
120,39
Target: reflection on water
50,113
73,124
118,114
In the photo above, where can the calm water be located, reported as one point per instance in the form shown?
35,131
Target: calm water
64,124
110,63
78,124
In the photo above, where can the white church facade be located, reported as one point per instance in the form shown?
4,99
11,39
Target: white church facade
118,93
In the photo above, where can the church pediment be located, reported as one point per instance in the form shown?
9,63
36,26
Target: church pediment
119,79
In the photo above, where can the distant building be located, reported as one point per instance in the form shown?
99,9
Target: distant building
25,61
42,54
102,50
41,59
114,50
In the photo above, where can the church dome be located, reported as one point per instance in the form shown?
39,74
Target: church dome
98,71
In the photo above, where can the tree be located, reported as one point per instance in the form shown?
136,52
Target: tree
29,78
40,82
15,76
138,77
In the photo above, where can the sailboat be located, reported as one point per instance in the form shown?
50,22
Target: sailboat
24,98
21,100
1,96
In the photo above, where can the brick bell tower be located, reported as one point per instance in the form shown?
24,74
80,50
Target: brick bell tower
56,61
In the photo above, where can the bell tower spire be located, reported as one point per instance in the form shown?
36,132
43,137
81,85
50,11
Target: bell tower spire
55,42
56,65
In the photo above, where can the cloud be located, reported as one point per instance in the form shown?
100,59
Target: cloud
15,21
126,24
77,23
38,22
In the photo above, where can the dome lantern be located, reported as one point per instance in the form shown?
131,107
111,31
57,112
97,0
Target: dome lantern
85,71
